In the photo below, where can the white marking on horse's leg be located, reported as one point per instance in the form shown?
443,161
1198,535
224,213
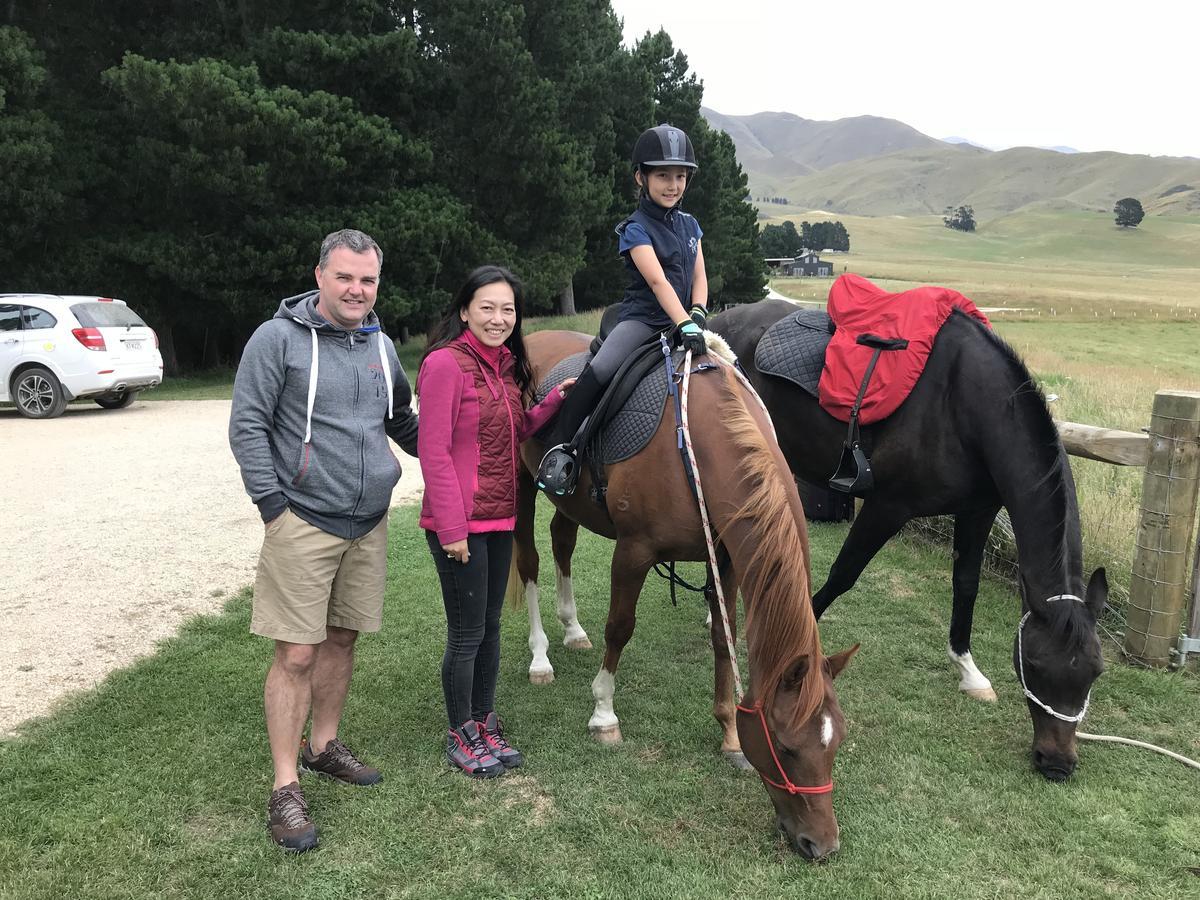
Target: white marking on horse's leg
826,729
573,634
603,724
708,620
540,670
971,681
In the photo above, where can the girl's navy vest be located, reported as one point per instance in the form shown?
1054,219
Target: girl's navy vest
675,237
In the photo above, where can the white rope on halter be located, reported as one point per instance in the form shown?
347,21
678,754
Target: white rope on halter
708,536
1083,735
1021,668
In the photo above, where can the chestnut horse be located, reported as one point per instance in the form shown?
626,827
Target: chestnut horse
789,723
974,434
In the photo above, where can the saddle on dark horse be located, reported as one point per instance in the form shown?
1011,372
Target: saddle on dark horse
861,359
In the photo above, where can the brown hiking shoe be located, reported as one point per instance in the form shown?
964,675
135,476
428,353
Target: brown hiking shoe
339,762
291,826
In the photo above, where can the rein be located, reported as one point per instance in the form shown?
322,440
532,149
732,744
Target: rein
685,441
786,784
1046,707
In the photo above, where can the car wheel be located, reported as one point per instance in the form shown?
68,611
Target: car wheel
120,401
38,394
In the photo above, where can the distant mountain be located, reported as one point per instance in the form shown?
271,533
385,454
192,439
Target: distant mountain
785,145
873,166
1059,148
955,139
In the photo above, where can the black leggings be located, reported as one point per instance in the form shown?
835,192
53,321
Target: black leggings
474,596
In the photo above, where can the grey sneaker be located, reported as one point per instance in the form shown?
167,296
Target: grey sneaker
466,750
338,761
493,735
290,824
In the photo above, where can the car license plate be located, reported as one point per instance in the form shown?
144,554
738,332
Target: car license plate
132,345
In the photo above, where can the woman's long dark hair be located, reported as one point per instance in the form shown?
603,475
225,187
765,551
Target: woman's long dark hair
450,326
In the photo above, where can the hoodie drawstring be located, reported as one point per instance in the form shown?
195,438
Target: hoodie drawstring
312,387
387,372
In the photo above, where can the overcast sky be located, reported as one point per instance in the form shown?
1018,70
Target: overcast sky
1090,75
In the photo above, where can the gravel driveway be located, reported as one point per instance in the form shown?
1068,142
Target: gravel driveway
118,526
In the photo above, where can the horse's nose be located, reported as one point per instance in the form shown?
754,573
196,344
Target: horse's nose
1054,766
808,847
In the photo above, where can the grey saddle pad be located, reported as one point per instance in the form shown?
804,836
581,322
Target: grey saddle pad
631,428
794,348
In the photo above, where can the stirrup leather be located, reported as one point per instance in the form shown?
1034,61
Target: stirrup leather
558,471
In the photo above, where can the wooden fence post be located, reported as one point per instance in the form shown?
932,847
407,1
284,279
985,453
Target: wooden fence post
1161,554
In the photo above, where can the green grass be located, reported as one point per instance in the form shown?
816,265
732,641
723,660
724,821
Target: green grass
155,784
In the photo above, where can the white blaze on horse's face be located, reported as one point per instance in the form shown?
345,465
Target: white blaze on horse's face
826,729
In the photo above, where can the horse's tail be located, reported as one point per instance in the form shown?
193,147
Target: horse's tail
514,594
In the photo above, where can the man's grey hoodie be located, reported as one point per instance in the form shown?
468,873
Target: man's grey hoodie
313,407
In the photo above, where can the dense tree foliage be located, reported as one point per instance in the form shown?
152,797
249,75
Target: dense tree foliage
191,163
776,241
1129,212
960,219
780,241
30,195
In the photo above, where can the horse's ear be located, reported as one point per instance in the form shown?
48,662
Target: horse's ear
834,664
1097,592
793,676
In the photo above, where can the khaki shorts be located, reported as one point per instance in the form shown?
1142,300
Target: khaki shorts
309,579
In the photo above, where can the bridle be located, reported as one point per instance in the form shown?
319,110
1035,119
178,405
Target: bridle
786,784
1021,669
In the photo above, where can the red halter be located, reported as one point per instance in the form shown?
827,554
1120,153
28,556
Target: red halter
787,782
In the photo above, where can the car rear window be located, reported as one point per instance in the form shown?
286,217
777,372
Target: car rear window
32,317
100,315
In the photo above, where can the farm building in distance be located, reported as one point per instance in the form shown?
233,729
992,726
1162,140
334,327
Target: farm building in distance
805,264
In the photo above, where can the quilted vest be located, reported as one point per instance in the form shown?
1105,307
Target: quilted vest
673,235
499,402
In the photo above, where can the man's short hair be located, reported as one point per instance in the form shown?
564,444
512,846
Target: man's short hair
350,238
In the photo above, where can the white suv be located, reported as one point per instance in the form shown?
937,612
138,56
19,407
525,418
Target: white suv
57,349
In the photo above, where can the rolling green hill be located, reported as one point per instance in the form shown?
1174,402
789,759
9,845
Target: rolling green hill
876,167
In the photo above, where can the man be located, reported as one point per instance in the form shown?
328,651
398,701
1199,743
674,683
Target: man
318,392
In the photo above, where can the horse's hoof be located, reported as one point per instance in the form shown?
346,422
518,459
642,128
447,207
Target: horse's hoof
985,694
737,759
541,676
606,734
580,643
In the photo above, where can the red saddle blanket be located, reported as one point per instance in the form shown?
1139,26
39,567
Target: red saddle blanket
856,307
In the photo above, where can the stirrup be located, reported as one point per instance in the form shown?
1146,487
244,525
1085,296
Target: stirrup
559,471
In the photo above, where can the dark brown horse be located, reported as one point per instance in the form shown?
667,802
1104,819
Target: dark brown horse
653,516
974,435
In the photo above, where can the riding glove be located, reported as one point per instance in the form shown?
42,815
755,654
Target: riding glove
690,337
699,314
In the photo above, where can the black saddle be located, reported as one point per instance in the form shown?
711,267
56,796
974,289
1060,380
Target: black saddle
630,410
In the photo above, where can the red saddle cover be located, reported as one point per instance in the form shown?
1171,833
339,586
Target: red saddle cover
859,307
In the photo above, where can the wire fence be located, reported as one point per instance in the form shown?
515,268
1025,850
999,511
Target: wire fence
1000,560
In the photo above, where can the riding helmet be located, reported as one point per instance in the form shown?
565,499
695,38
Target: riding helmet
664,145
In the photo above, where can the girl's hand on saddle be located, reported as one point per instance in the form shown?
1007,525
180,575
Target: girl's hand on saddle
457,551
565,386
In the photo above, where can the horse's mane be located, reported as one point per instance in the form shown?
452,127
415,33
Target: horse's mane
774,575
1028,403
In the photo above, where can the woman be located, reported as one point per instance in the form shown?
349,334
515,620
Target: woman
474,385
